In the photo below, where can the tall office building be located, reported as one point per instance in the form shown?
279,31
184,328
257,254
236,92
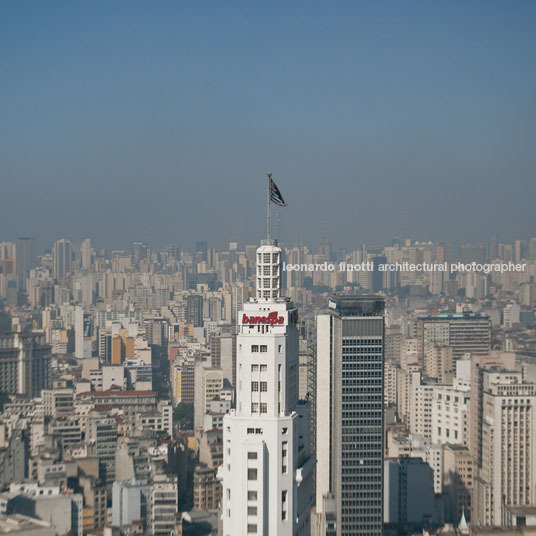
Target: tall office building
201,249
479,364
507,475
85,254
24,363
464,332
267,467
349,417
101,435
223,355
194,310
139,251
25,260
62,255
83,333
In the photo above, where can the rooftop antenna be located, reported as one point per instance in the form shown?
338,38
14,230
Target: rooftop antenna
268,211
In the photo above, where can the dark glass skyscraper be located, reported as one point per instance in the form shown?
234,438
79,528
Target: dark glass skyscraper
349,492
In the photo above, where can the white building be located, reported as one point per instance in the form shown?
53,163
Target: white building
267,469
508,472
450,414
421,406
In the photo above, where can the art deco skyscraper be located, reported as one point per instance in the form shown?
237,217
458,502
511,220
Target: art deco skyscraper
349,417
267,467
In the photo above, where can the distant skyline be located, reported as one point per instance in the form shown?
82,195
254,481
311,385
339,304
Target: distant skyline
157,122
191,244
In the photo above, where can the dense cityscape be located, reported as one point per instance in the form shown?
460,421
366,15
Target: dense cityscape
267,268
140,392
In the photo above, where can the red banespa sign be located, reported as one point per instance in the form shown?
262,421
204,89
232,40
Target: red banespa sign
270,319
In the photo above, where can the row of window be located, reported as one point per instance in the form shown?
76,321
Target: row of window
362,350
268,270
267,258
361,342
359,365
266,282
259,408
255,348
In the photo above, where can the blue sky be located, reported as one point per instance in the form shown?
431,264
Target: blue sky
157,121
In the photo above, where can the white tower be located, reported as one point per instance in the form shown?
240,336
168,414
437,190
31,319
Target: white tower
268,271
267,468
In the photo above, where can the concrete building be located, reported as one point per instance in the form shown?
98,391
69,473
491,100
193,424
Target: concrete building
223,355
164,505
25,260
63,509
409,493
207,488
463,332
508,472
62,254
267,469
101,434
131,501
450,414
24,363
438,363
349,422
458,478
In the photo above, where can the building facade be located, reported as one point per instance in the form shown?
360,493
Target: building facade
349,424
267,469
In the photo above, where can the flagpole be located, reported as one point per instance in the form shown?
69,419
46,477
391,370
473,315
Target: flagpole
268,211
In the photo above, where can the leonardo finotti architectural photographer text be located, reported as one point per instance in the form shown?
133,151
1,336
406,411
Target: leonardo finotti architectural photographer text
485,268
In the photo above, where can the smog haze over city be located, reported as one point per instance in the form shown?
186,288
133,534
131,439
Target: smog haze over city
130,121
267,268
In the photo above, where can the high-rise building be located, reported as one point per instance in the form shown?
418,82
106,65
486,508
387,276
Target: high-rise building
194,310
223,355
349,418
25,260
139,251
479,364
438,363
458,478
201,248
62,254
208,385
463,332
101,434
24,363
403,476
507,475
85,254
267,468
164,504
83,329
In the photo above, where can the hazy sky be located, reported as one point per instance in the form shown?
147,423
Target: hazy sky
157,121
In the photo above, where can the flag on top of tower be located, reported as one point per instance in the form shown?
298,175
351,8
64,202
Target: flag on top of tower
275,194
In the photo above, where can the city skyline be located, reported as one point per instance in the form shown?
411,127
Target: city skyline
179,355
190,244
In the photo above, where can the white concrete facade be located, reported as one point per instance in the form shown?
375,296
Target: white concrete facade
266,472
